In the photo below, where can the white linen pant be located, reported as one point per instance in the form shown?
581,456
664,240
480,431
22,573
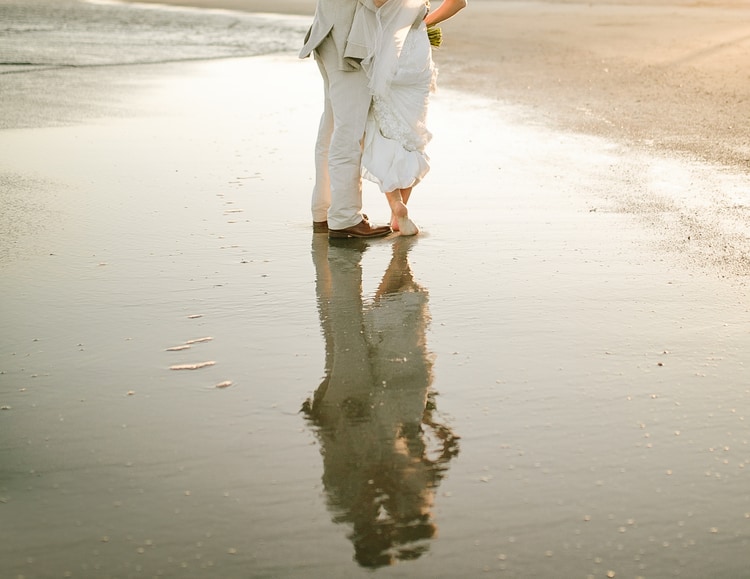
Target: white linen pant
337,195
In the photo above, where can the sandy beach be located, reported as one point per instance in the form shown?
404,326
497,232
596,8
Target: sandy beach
667,74
549,381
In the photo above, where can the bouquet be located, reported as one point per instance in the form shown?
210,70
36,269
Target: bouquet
435,35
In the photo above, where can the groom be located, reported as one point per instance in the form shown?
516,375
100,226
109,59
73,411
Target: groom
337,195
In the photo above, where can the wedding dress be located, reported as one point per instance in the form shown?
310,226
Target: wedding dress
401,76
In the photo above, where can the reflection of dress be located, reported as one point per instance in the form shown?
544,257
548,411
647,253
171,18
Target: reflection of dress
396,136
395,329
384,452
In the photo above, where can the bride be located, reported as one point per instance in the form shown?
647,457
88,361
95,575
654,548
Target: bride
401,76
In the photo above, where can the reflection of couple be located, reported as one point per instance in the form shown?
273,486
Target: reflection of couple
376,62
373,411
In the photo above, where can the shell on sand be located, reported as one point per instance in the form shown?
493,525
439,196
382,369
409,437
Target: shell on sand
195,366
178,348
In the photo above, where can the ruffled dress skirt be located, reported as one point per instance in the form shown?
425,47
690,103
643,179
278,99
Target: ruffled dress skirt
396,135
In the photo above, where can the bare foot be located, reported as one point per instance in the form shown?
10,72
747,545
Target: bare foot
399,213
406,226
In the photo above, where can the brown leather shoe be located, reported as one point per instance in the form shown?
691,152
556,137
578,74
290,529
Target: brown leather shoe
322,226
363,229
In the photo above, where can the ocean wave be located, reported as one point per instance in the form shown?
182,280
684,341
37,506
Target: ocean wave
53,33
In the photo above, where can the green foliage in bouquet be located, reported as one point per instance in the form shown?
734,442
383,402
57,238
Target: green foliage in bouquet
433,32
435,35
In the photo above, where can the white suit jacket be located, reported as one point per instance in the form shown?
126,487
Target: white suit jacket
335,17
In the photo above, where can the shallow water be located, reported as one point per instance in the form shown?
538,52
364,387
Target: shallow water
68,33
541,384
50,43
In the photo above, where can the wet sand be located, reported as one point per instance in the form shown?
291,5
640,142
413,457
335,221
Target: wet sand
568,398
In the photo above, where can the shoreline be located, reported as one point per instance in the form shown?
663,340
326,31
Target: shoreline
566,348
662,75
573,314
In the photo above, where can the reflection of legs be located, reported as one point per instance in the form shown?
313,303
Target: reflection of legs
323,291
351,371
398,274
338,284
369,412
399,213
